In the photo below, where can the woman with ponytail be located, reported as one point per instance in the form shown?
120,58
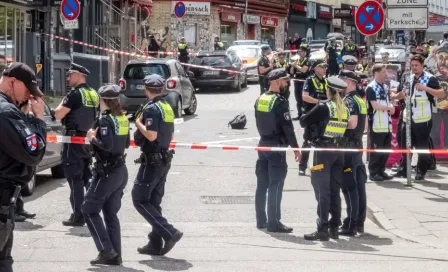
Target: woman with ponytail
327,122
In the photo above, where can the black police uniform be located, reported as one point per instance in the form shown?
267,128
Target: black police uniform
23,145
326,173
262,77
298,84
106,190
355,175
349,50
275,127
76,158
316,88
333,66
183,52
149,185
349,63
285,65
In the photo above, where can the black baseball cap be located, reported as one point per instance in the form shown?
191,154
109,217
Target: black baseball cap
24,73
319,62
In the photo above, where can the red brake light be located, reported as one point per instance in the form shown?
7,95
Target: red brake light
122,84
171,84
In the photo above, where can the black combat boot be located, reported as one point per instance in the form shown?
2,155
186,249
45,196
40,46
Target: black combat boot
320,235
74,222
151,249
107,258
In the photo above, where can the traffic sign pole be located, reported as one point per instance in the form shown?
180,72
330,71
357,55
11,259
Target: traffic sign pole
407,88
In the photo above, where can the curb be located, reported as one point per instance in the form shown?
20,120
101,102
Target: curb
378,217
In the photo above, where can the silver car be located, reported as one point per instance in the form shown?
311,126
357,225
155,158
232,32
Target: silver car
179,91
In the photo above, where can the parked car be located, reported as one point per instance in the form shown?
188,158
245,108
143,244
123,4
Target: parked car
397,53
179,91
204,78
53,154
249,55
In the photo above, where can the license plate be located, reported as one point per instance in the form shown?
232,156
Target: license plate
140,87
210,73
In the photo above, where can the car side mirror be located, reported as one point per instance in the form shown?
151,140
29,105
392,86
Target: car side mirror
53,115
190,74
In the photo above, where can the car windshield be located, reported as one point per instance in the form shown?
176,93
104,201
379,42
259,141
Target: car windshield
140,71
244,52
316,47
214,61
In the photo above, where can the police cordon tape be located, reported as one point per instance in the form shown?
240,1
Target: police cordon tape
146,57
194,146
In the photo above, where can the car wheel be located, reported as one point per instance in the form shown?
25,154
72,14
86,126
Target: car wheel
245,81
57,172
193,105
238,87
28,189
178,109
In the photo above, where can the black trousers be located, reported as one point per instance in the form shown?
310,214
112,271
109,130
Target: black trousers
6,260
303,164
104,195
298,90
147,194
326,178
264,85
377,161
354,190
271,170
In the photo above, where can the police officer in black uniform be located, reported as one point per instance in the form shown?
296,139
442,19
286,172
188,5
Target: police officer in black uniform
355,175
109,139
281,62
78,113
182,48
330,120
23,145
349,49
349,63
300,69
264,66
155,132
314,91
332,58
275,127
218,44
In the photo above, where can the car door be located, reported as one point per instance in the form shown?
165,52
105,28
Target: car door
53,151
185,83
236,62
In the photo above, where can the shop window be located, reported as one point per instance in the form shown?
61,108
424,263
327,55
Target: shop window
228,33
190,34
268,35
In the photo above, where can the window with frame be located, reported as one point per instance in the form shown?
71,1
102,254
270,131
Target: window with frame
190,34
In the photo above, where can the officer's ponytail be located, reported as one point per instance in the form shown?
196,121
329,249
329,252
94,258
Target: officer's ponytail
336,97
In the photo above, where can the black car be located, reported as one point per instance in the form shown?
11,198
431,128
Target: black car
235,79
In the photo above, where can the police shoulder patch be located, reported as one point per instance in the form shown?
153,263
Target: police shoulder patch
148,122
31,142
103,131
65,100
287,116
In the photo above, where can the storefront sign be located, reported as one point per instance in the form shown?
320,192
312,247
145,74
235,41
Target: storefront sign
269,21
251,19
194,8
230,17
343,13
324,12
436,20
298,8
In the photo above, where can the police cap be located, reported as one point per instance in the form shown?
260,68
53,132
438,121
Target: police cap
319,62
336,84
109,91
349,60
443,48
277,74
347,74
154,81
265,47
76,68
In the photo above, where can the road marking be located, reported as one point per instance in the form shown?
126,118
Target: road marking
231,141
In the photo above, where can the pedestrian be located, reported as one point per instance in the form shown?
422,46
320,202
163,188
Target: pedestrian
380,124
23,145
275,127
182,49
330,120
300,68
155,131
314,91
264,67
109,139
355,175
78,113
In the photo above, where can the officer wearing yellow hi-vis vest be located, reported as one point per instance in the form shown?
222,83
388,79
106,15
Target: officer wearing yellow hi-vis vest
78,113
275,127
109,139
349,49
182,48
380,123
331,119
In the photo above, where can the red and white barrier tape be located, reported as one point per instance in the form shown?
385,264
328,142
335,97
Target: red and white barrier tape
174,145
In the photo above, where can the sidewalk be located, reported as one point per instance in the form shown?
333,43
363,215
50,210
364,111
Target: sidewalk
418,213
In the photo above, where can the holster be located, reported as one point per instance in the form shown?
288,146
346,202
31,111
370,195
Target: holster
8,198
103,167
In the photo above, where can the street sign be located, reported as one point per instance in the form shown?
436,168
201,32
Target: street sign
407,18
407,3
71,24
369,18
180,9
70,9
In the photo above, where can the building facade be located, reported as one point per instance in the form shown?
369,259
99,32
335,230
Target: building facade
438,19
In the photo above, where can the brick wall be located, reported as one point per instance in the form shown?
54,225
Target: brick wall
159,24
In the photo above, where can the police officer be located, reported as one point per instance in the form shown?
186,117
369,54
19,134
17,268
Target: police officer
354,175
349,63
314,91
218,44
109,140
385,57
330,120
275,127
380,124
349,49
332,57
78,113
300,69
23,145
280,62
155,132
424,88
182,48
364,66
264,67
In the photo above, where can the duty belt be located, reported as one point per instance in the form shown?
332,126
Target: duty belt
321,141
103,167
75,133
166,156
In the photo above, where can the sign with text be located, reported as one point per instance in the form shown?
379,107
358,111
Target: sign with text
343,13
251,19
298,8
407,3
192,8
231,17
407,18
269,21
325,12
71,24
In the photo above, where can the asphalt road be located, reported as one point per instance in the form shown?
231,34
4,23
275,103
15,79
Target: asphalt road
209,196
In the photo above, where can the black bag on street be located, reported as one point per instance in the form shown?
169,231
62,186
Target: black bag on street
239,122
